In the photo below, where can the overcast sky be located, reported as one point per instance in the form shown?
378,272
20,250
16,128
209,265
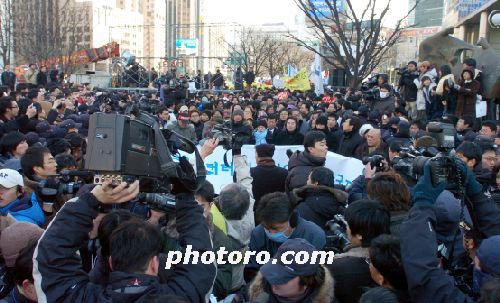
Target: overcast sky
257,12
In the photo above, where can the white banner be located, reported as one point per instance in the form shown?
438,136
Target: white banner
345,169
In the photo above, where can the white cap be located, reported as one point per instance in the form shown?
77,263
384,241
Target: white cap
183,108
10,178
364,128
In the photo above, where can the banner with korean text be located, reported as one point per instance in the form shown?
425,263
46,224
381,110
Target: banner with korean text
345,169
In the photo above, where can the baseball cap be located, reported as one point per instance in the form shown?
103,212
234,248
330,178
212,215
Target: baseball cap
278,273
10,178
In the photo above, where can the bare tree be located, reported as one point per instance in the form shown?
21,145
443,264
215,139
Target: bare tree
282,52
48,31
351,41
6,31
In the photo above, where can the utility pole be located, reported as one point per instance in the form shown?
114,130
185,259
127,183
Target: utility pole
198,36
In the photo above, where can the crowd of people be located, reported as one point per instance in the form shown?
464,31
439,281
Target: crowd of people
397,237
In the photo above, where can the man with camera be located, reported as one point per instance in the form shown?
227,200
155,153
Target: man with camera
135,246
430,283
409,89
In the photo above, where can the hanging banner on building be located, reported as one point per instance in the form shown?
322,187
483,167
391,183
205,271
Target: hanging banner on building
345,169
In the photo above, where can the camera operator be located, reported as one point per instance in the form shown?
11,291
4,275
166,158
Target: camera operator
366,219
134,250
430,283
409,89
385,101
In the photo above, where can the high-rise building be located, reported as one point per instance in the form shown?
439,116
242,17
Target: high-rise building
154,13
428,13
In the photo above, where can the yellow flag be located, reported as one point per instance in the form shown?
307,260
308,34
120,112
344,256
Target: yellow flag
299,82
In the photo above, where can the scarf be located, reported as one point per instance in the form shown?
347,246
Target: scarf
260,137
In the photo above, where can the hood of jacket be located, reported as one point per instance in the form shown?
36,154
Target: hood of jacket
300,194
261,288
304,159
447,214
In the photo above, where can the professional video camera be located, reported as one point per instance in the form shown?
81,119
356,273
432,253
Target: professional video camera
369,92
375,162
124,150
404,71
160,202
146,104
228,138
411,162
336,234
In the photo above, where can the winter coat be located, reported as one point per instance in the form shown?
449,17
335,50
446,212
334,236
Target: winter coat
218,79
260,291
41,79
267,178
349,143
419,84
430,283
66,281
9,79
187,131
385,105
466,98
351,274
319,204
287,138
302,229
409,88
300,166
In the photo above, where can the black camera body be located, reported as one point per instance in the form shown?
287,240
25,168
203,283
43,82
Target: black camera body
411,162
375,162
229,139
336,234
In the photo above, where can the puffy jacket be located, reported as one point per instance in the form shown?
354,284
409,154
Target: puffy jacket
300,166
319,204
58,273
349,143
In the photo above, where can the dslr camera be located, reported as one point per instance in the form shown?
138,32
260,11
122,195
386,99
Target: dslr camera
229,139
336,234
411,162
375,162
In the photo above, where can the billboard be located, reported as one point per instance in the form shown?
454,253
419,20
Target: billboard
187,46
322,9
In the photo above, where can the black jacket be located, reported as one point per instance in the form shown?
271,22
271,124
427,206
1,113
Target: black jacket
267,178
9,79
299,168
41,79
427,282
58,272
319,204
250,77
349,143
218,79
286,138
409,88
385,105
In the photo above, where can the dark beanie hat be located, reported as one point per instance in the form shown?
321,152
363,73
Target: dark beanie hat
470,62
471,73
265,150
413,62
238,112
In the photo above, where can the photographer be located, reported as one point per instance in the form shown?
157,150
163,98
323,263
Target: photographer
366,220
430,283
134,250
409,89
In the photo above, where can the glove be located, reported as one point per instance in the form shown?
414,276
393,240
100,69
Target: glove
456,86
424,192
186,178
473,187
